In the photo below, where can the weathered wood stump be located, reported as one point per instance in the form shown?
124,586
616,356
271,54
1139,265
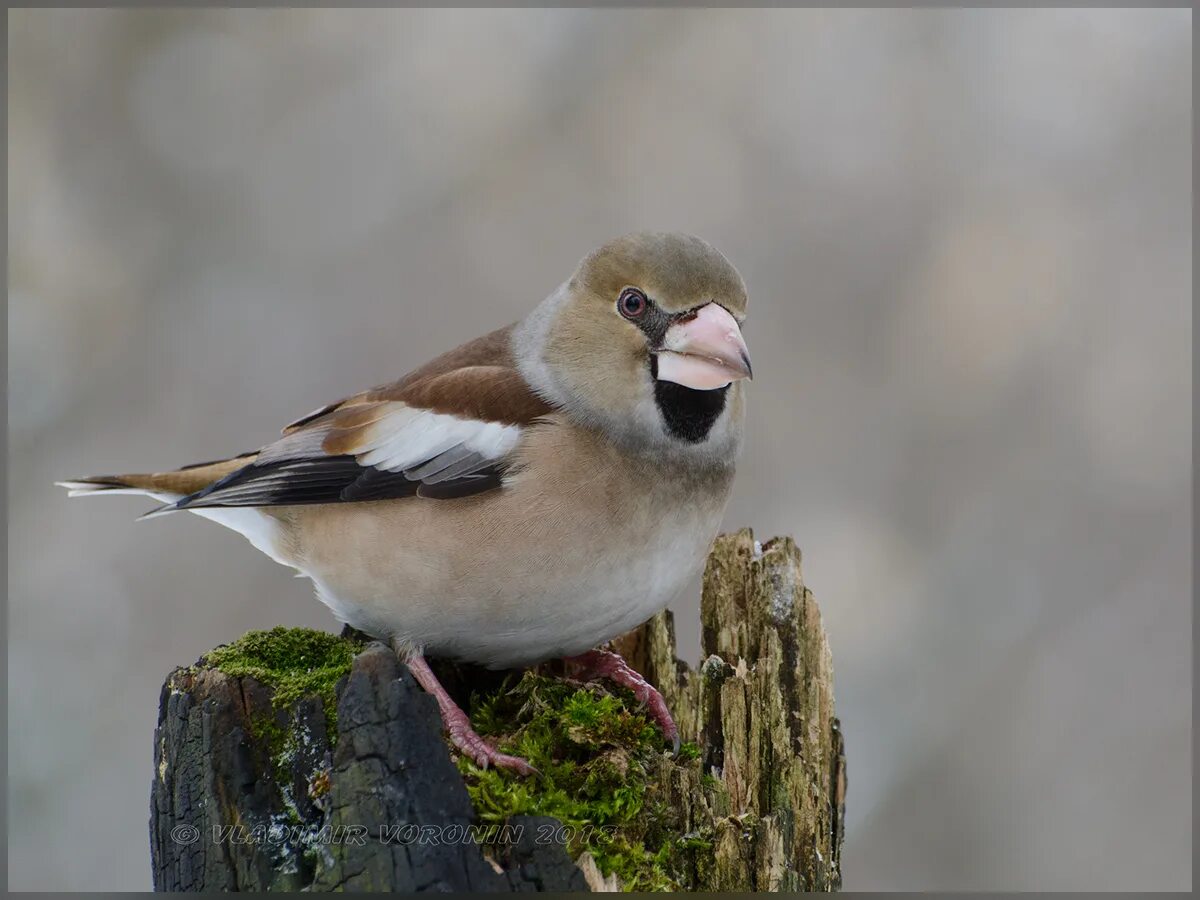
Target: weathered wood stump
301,760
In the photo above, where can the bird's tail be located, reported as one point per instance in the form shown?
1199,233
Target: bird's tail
166,487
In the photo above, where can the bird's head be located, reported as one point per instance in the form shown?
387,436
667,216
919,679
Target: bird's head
645,341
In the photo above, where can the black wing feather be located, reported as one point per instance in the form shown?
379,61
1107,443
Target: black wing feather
327,479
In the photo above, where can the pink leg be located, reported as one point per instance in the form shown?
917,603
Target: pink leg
606,664
458,726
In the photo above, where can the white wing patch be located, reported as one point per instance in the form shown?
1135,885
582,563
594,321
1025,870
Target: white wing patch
409,440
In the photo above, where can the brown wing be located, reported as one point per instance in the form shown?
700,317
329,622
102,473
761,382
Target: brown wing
446,430
492,350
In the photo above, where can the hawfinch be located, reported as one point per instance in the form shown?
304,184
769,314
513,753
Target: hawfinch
529,495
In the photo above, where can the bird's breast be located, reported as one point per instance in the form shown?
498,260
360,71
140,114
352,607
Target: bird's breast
582,544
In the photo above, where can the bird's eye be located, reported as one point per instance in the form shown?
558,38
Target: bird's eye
632,303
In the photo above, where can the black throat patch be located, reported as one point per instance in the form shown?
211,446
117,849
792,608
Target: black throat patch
689,414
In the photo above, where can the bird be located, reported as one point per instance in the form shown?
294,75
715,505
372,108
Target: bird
527,496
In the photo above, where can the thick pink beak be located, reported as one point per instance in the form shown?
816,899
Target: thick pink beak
706,352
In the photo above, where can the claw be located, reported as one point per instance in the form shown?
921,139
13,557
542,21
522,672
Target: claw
499,760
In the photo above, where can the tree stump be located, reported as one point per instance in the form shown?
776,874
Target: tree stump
294,759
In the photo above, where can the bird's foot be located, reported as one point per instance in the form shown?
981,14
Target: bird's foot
606,664
458,724
465,738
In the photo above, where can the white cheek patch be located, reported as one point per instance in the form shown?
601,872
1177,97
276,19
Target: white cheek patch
695,372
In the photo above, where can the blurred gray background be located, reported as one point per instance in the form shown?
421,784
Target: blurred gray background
967,240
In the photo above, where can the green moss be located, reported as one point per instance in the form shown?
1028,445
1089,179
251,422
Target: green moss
295,662
595,752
